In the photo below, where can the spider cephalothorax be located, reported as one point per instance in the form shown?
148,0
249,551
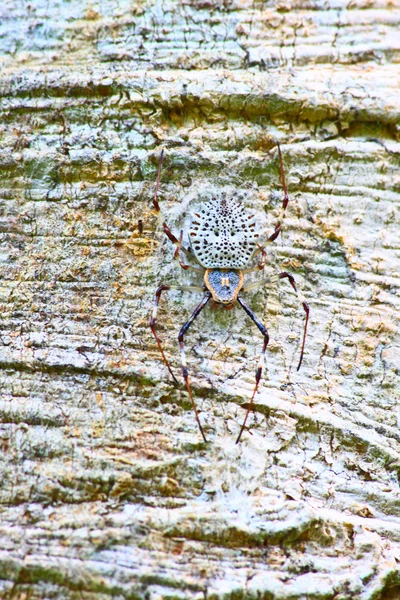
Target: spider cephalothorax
224,284
223,240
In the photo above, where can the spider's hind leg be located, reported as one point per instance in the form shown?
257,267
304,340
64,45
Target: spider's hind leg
261,361
153,319
184,288
306,309
185,372
273,279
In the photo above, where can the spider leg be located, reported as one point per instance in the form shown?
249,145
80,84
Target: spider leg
177,257
283,209
156,205
185,373
259,266
160,290
261,361
306,308
160,162
260,282
302,300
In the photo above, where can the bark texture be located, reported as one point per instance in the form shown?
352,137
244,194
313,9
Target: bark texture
106,487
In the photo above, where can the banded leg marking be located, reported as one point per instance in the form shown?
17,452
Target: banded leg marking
185,372
260,362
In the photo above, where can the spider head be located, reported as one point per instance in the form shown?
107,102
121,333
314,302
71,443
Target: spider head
224,284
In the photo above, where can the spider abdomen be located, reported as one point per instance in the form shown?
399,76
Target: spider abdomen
223,234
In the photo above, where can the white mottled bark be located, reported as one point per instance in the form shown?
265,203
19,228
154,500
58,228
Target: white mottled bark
107,489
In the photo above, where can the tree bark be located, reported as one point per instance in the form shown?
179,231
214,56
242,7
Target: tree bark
107,488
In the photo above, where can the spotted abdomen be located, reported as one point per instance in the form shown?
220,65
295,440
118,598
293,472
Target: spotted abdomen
222,234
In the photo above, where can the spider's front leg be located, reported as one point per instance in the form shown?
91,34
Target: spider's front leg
285,202
259,266
177,242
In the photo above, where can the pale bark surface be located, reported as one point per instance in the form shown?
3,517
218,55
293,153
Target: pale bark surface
107,489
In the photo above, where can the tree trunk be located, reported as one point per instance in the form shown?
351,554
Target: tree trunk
107,488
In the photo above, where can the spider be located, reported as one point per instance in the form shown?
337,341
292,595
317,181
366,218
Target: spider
223,240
